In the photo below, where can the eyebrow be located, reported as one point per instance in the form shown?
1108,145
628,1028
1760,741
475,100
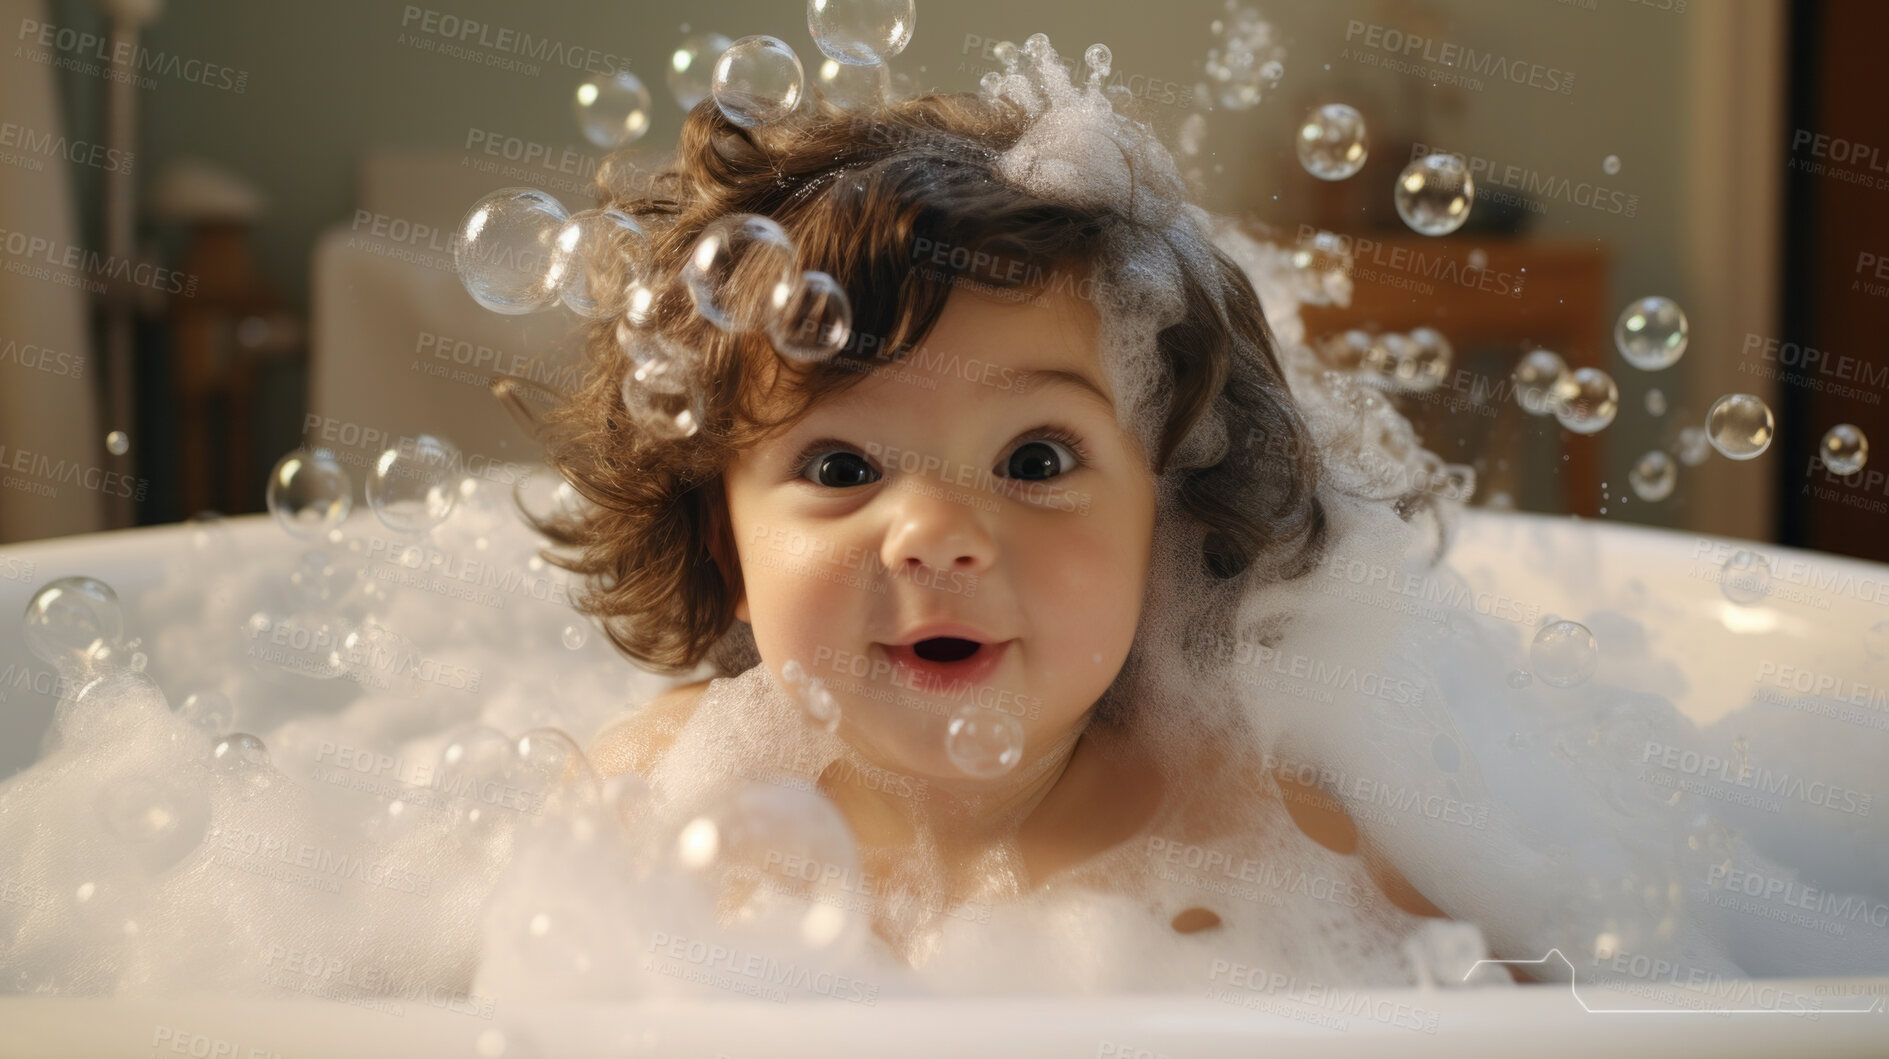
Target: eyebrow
1067,378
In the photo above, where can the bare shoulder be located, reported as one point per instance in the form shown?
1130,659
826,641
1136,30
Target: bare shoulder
638,742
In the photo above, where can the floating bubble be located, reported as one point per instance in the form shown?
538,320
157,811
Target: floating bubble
1434,194
692,65
209,710
612,109
1739,426
575,635
507,250
117,443
1564,654
69,619
1653,476
239,752
1651,333
1610,165
983,743
1655,403
1542,382
861,32
309,493
740,265
414,485
1745,578
1591,403
813,319
1331,142
757,80
1694,449
1844,449
658,394
1098,59
553,768
604,251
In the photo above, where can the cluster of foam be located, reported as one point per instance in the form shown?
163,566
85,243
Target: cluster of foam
311,874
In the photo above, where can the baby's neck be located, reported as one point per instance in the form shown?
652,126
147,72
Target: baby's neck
958,821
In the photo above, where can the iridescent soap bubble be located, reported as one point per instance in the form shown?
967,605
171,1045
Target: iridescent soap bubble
1651,333
692,65
309,493
813,320
1739,426
507,250
661,402
414,485
983,743
757,80
1434,193
603,250
1331,142
1610,165
1564,654
1844,449
117,443
1694,448
69,619
1745,578
239,752
1655,403
740,266
612,109
1591,404
861,32
1542,382
1653,476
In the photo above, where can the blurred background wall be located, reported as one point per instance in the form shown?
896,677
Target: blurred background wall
326,135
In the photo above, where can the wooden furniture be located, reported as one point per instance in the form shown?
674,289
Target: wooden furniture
1466,288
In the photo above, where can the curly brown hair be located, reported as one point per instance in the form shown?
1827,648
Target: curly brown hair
858,192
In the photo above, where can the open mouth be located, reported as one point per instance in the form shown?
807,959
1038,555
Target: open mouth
945,649
943,662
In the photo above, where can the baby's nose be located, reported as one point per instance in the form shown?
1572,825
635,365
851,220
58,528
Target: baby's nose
943,532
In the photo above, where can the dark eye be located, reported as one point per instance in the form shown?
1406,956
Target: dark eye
1034,461
841,470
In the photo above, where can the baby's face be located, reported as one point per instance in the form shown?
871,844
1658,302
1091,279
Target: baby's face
979,489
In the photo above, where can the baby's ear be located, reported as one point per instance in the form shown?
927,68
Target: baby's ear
721,543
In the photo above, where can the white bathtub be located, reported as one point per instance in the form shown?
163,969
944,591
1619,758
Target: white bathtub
1820,601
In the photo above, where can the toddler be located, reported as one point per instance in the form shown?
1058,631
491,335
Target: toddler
937,572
